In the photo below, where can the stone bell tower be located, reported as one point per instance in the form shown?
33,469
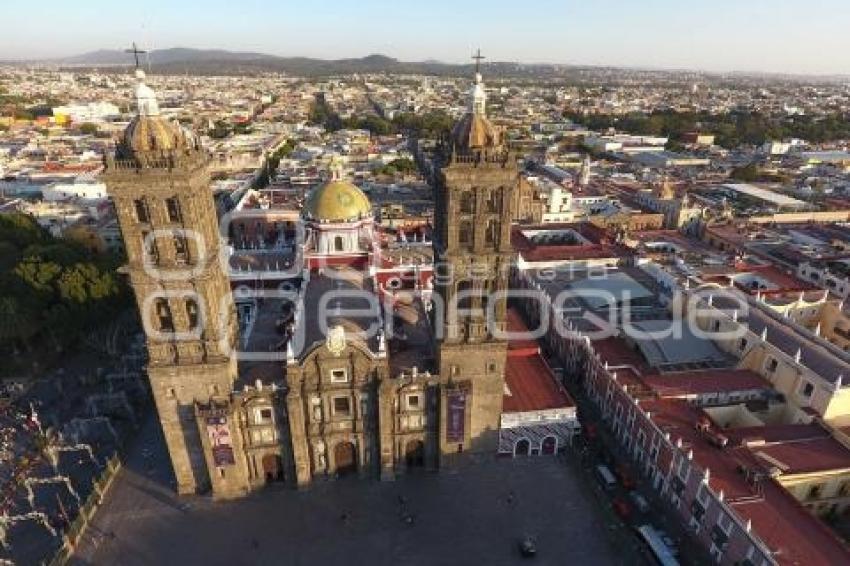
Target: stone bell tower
159,182
472,243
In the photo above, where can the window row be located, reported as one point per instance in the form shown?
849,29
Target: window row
466,232
172,210
492,202
165,316
151,248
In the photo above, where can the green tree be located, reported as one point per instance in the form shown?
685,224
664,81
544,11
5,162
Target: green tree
18,321
89,129
748,173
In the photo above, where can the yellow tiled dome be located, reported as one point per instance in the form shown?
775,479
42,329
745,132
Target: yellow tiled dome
337,201
155,133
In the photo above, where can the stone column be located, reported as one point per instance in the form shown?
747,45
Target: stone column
298,435
386,418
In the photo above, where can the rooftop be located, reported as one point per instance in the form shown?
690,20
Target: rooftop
788,529
530,384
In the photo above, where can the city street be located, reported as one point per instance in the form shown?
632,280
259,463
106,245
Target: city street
473,516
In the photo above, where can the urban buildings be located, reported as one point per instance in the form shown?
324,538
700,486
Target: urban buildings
270,217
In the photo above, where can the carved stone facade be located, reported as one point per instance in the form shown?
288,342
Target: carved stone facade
332,405
348,402
170,231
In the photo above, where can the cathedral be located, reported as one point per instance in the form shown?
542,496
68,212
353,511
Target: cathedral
378,360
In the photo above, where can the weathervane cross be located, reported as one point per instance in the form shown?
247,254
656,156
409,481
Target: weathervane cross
136,52
478,57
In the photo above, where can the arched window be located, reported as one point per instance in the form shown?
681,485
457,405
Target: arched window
142,213
464,295
181,250
494,202
464,236
192,313
492,234
487,289
467,202
151,253
522,447
163,314
172,205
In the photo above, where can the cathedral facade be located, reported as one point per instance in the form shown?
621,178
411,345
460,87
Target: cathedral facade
387,359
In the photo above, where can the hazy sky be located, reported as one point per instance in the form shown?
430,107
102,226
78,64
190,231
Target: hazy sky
811,36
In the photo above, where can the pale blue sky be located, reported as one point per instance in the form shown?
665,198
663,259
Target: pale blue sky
811,36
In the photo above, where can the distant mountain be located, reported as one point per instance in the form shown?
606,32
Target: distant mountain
180,60
160,56
220,61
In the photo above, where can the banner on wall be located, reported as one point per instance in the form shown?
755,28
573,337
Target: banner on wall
221,441
455,415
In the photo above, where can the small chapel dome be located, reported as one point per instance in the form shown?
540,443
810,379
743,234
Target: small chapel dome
337,201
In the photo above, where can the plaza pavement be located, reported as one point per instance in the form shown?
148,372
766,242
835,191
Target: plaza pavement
472,516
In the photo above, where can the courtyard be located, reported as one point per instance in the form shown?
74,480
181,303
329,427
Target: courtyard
474,515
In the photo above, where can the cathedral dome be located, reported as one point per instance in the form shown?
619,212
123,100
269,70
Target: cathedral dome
337,201
155,133
475,131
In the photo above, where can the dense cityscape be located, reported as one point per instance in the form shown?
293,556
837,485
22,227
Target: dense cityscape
422,313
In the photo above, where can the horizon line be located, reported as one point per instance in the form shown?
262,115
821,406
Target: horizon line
638,67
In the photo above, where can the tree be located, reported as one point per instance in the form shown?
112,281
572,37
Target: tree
748,173
401,165
18,321
51,290
89,129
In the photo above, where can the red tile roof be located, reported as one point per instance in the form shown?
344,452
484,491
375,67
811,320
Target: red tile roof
794,448
530,383
789,530
696,382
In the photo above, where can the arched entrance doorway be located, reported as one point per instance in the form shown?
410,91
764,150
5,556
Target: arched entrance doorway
272,468
549,446
522,447
345,458
414,454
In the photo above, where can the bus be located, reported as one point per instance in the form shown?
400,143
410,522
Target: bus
663,554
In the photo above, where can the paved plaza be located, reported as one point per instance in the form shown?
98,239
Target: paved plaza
475,516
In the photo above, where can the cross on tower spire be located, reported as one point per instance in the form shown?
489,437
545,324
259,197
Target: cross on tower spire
478,57
136,52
